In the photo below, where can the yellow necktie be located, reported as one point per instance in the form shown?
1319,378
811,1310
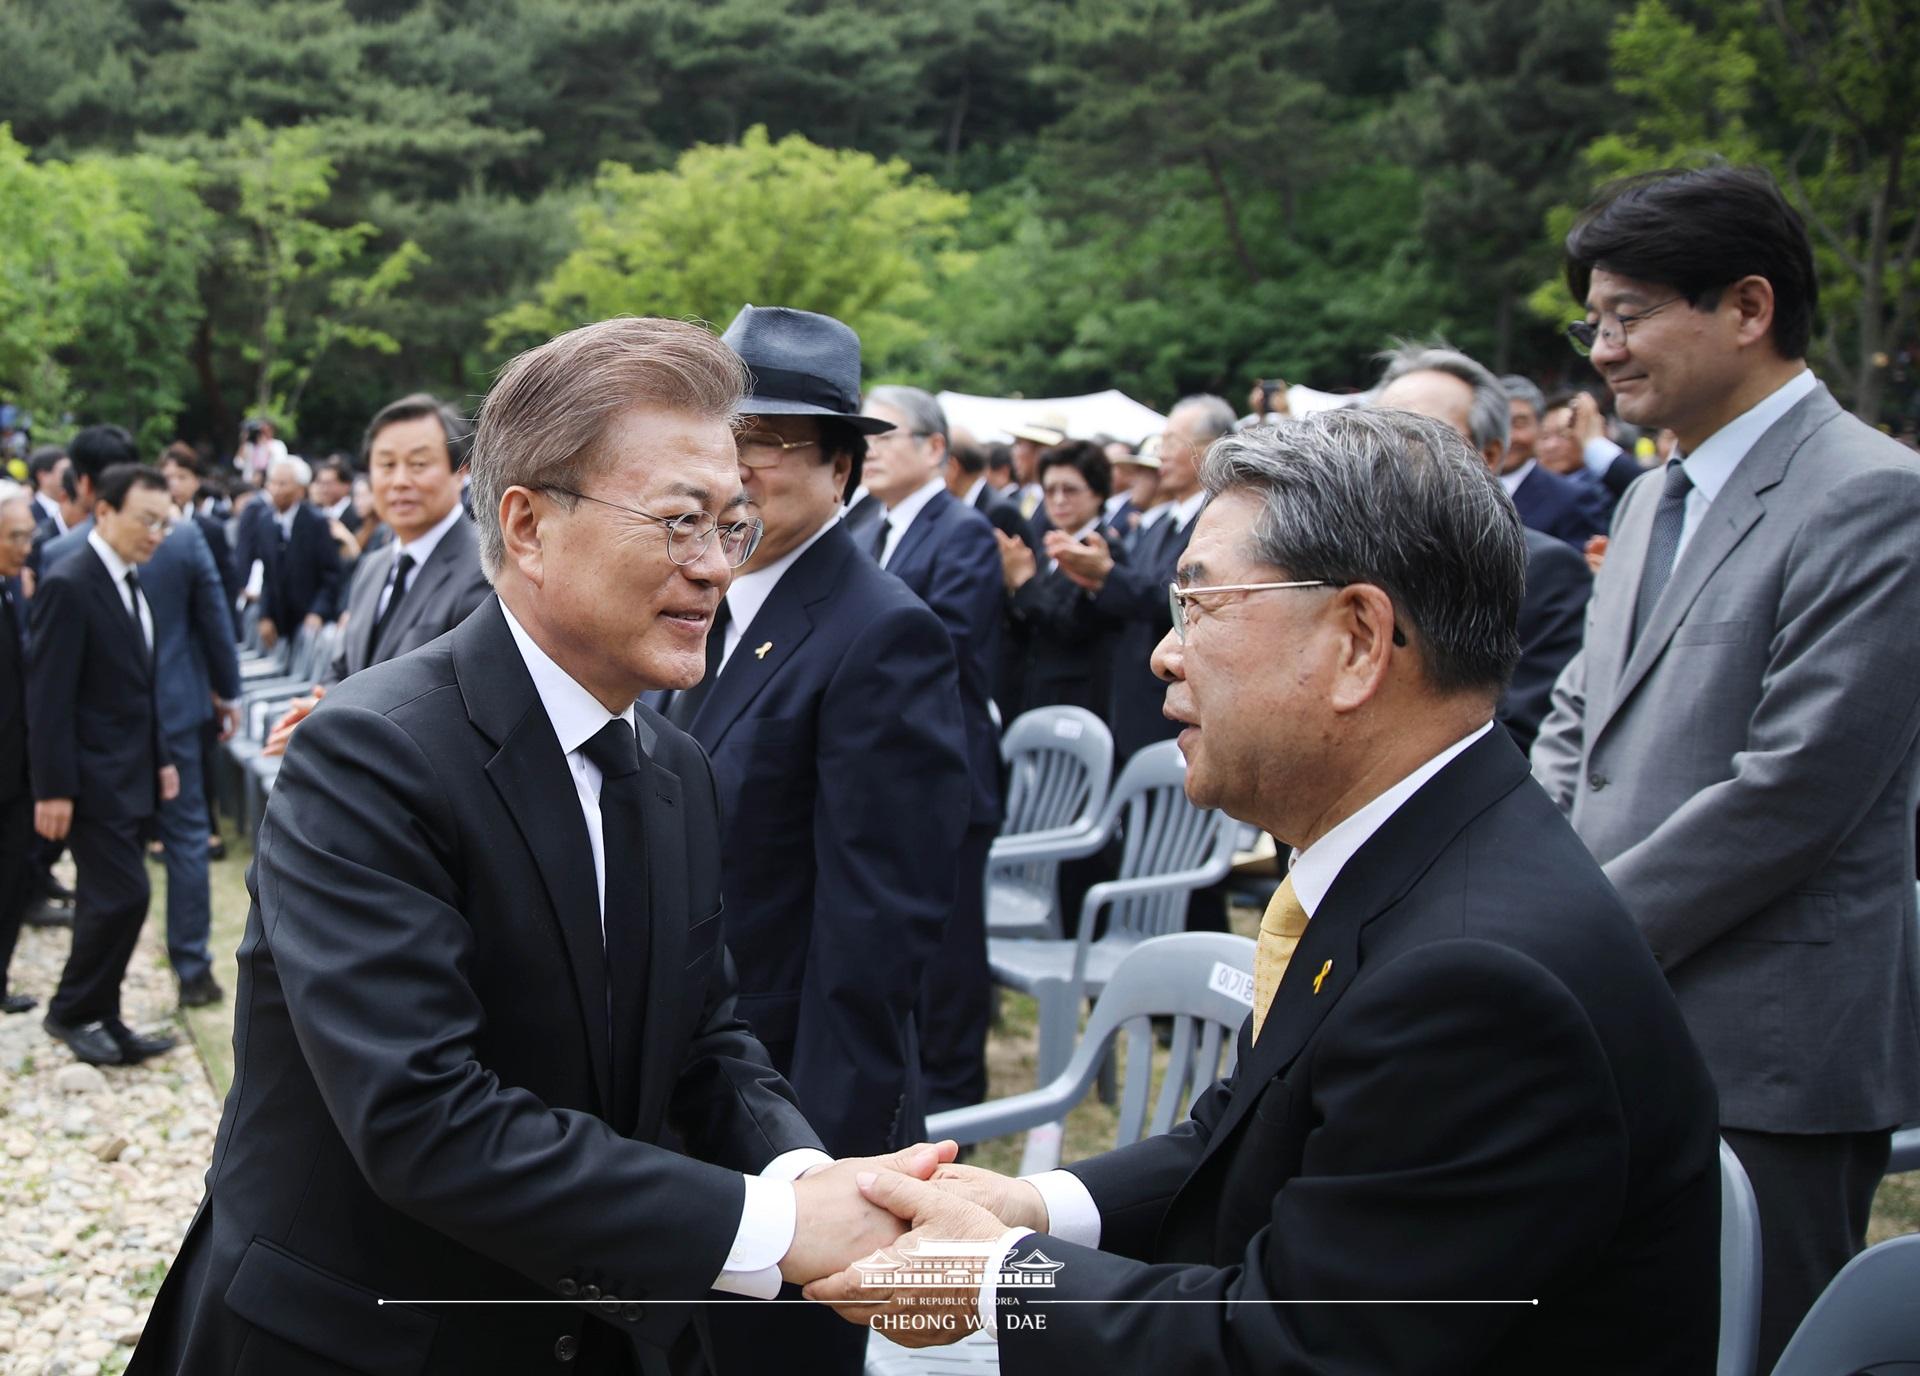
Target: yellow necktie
1281,928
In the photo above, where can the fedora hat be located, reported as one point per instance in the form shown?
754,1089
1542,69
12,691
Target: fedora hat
1048,428
803,364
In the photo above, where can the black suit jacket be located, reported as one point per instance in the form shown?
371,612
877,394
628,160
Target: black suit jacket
13,698
1560,507
1552,625
423,1064
948,556
1063,643
840,754
233,578
303,575
96,734
1473,1083
1135,595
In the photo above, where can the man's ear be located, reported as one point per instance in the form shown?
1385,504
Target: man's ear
1369,637
1752,298
521,535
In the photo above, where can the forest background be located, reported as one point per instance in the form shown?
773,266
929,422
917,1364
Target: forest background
211,209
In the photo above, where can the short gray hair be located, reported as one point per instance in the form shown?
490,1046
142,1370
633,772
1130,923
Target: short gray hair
302,471
1519,388
1489,419
542,424
1214,415
1398,501
11,492
923,412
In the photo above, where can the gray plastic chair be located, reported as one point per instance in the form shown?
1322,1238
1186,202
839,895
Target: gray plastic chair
1199,979
1906,1151
1739,1269
1868,1317
1059,763
1169,848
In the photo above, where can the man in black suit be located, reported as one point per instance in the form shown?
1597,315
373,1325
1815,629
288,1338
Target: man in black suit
99,758
332,491
831,711
428,579
484,981
16,791
45,466
303,573
945,552
1464,1077
1449,387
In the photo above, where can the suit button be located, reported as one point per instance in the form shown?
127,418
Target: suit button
631,1312
1596,781
568,1288
567,1348
589,1292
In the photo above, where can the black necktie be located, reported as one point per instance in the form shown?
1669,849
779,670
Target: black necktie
624,910
1663,545
12,624
686,703
880,529
400,572
139,627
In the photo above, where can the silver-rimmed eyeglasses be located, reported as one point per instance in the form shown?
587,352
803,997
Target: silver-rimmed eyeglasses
1179,598
688,536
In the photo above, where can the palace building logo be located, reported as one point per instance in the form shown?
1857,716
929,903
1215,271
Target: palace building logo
938,1265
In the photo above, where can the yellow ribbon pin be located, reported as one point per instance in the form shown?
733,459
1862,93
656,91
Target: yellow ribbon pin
1317,979
761,653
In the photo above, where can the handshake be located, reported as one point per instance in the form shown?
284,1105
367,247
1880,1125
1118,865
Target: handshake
854,1207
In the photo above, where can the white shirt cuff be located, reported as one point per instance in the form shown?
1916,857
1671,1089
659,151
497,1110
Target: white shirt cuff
256,579
1600,452
1072,1216
990,1283
768,1217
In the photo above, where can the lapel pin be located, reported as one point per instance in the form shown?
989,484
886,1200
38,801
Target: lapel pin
761,653
1321,977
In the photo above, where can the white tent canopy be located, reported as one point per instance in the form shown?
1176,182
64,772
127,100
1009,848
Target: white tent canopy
1112,412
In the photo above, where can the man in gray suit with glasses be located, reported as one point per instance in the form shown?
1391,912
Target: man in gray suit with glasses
1736,741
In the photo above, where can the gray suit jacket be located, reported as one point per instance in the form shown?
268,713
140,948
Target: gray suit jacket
444,592
1748,774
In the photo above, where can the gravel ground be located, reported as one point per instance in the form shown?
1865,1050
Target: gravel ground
100,1170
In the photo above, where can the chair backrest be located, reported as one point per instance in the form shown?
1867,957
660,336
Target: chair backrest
1162,833
1739,1269
1059,763
1868,1316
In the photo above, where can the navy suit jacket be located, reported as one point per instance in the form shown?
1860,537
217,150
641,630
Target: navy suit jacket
304,575
233,578
1135,595
949,557
13,699
1553,616
840,756
192,630
1560,507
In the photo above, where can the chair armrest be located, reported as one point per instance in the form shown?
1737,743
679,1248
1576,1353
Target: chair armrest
1055,843
1019,1112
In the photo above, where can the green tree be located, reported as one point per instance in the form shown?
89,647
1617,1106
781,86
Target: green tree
786,223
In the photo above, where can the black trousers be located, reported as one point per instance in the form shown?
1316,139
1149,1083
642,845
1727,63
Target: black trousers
1815,1191
109,904
17,874
956,990
209,763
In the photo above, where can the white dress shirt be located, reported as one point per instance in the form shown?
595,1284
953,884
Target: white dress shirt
1072,1216
284,519
1720,453
750,591
1114,503
117,569
1511,481
900,517
421,548
770,1213
973,493
50,509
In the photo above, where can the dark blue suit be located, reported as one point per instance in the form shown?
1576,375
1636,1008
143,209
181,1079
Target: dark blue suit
193,659
16,792
1552,625
949,557
1135,595
1560,507
303,574
840,760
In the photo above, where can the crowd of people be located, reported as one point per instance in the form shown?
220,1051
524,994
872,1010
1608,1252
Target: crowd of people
777,621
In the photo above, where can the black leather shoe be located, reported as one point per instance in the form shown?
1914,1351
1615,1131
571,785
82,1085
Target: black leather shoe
200,991
53,891
17,1003
50,914
90,1042
135,1048
216,849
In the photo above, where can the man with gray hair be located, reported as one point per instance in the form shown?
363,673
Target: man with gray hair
1463,1077
488,1045
1445,385
302,579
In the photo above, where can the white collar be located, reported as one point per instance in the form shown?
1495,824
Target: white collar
284,519
902,516
1316,867
749,591
973,493
423,546
339,508
576,714
117,568
1709,466
1511,481
1186,509
1114,503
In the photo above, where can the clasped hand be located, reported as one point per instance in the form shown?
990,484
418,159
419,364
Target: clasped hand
959,1204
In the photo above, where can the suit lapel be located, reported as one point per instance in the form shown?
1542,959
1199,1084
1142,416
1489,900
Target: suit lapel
918,533
108,594
427,581
365,601
530,773
782,623
1380,873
